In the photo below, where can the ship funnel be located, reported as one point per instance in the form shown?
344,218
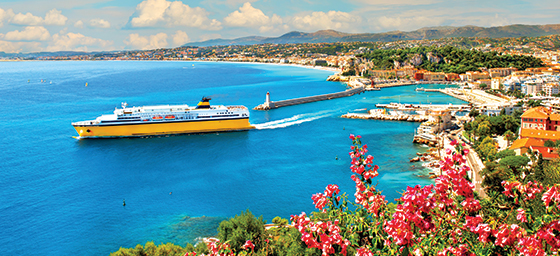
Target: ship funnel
204,103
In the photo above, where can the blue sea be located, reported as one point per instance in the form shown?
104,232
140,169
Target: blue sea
62,196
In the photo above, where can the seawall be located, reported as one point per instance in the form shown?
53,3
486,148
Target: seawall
291,102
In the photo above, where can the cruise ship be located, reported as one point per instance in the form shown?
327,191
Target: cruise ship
164,120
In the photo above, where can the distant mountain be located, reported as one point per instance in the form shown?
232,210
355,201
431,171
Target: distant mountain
331,36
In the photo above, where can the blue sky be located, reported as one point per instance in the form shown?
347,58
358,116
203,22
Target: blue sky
94,25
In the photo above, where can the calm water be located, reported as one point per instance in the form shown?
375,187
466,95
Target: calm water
61,196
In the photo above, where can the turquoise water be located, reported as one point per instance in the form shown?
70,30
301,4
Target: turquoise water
61,196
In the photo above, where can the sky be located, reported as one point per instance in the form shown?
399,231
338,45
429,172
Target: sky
109,25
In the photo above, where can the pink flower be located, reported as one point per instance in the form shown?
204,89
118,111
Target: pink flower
332,189
248,244
521,215
319,200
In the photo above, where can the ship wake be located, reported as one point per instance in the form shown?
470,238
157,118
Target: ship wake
294,120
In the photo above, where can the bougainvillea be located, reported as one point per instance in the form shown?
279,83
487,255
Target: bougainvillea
444,218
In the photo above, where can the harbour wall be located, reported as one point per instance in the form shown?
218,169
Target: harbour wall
291,102
380,116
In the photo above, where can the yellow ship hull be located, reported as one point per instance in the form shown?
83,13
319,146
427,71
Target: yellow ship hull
162,128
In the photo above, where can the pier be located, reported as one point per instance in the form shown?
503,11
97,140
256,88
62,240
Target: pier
410,107
284,103
376,114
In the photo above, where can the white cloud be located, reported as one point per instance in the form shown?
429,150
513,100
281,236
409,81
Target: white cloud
55,17
76,42
408,23
99,23
248,16
207,37
32,33
27,19
79,24
396,2
151,13
138,42
180,38
331,20
16,47
5,15
485,21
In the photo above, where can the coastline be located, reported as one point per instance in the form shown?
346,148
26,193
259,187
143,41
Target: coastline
332,69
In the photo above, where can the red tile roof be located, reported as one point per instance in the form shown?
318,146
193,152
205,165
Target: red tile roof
547,152
540,134
526,143
538,112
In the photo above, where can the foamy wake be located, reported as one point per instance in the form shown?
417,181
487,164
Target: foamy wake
297,119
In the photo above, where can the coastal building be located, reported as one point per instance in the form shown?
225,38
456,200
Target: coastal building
531,88
419,76
538,125
319,62
434,76
475,76
452,77
496,108
501,72
383,73
521,146
522,73
496,83
551,89
540,118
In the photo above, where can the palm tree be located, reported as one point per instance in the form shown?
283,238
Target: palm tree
509,136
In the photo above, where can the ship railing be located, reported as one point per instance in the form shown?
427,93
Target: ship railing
91,122
236,107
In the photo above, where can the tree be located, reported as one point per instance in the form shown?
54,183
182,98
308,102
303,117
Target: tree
239,229
484,129
534,103
494,174
487,149
505,153
483,86
150,249
518,164
509,136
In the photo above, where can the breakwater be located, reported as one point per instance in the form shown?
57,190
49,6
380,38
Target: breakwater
379,115
284,103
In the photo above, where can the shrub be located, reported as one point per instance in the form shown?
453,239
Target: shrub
237,230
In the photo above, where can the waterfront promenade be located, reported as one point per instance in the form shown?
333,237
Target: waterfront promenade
389,83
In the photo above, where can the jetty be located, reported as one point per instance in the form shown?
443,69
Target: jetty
284,103
380,114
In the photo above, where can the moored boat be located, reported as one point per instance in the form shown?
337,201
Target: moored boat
165,119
